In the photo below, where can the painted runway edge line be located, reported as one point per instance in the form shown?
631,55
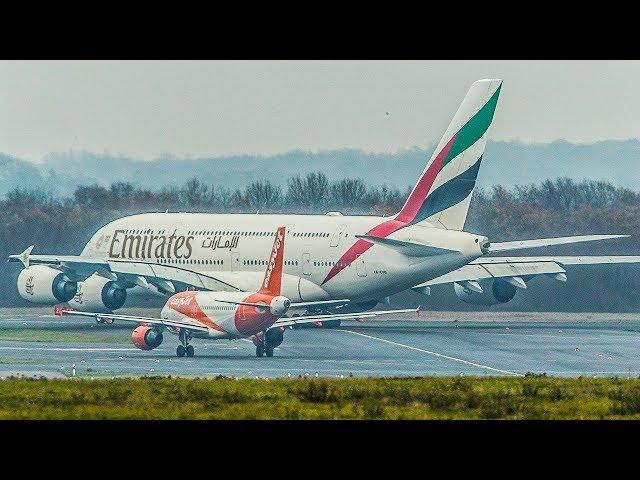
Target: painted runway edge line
71,349
410,347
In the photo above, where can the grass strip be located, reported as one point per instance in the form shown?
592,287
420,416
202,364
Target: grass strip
319,398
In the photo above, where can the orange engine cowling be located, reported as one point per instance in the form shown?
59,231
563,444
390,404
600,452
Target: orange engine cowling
146,338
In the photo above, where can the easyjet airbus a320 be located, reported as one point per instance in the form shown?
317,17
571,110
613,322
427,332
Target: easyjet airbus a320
362,259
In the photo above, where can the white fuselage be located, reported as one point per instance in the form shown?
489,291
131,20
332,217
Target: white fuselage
222,319
319,261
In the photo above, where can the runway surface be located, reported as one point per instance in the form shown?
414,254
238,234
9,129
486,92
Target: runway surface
449,344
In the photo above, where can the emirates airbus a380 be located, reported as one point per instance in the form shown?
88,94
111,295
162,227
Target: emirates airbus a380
228,315
362,259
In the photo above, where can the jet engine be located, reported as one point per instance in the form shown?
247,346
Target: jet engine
97,294
279,305
146,338
42,284
494,291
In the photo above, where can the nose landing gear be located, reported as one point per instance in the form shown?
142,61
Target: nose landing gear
184,348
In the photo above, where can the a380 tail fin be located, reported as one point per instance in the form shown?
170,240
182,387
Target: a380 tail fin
443,192
272,282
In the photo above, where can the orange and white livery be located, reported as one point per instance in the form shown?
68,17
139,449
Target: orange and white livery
228,315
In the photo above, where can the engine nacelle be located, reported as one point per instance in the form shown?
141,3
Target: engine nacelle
279,305
146,338
42,284
97,294
274,337
493,291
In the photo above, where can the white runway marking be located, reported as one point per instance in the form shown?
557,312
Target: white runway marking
561,336
60,349
479,365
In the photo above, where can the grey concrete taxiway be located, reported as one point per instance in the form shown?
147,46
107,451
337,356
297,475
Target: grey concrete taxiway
444,344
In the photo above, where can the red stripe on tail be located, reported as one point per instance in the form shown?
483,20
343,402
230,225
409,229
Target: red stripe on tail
421,190
272,282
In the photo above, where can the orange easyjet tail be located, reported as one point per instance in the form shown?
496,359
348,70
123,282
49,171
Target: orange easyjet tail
272,282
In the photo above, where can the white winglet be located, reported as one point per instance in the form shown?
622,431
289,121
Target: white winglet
24,256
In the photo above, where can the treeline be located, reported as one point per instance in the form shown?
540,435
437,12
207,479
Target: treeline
554,207
550,208
312,193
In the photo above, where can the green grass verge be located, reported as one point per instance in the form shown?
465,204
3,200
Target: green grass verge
352,398
53,336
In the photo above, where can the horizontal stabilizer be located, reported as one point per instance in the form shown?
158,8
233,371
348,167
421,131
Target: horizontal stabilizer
410,249
360,316
518,270
568,260
546,242
320,303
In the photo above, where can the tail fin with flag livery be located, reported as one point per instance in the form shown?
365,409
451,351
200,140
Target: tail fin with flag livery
443,192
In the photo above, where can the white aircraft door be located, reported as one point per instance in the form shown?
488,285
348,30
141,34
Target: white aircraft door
235,262
306,263
337,236
361,268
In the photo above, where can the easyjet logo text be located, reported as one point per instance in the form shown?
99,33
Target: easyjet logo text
180,302
272,260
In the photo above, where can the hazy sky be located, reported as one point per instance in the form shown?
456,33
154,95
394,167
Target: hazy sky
212,108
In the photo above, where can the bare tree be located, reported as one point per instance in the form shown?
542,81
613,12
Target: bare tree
261,195
311,192
195,192
350,193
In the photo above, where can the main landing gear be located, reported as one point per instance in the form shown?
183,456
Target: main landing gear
262,350
268,341
184,348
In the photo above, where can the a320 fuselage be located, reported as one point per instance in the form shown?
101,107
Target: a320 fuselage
223,320
324,259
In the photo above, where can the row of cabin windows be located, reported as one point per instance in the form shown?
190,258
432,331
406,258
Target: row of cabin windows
264,262
143,232
182,261
187,261
331,264
219,307
309,234
256,234
227,232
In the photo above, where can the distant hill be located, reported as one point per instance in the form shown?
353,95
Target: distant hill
506,163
